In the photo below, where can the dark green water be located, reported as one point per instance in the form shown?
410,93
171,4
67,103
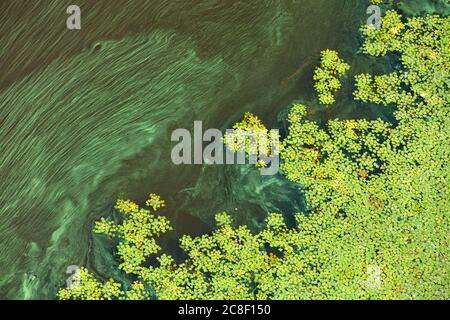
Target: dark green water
86,116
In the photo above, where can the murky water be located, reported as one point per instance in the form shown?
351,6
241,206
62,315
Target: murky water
86,116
